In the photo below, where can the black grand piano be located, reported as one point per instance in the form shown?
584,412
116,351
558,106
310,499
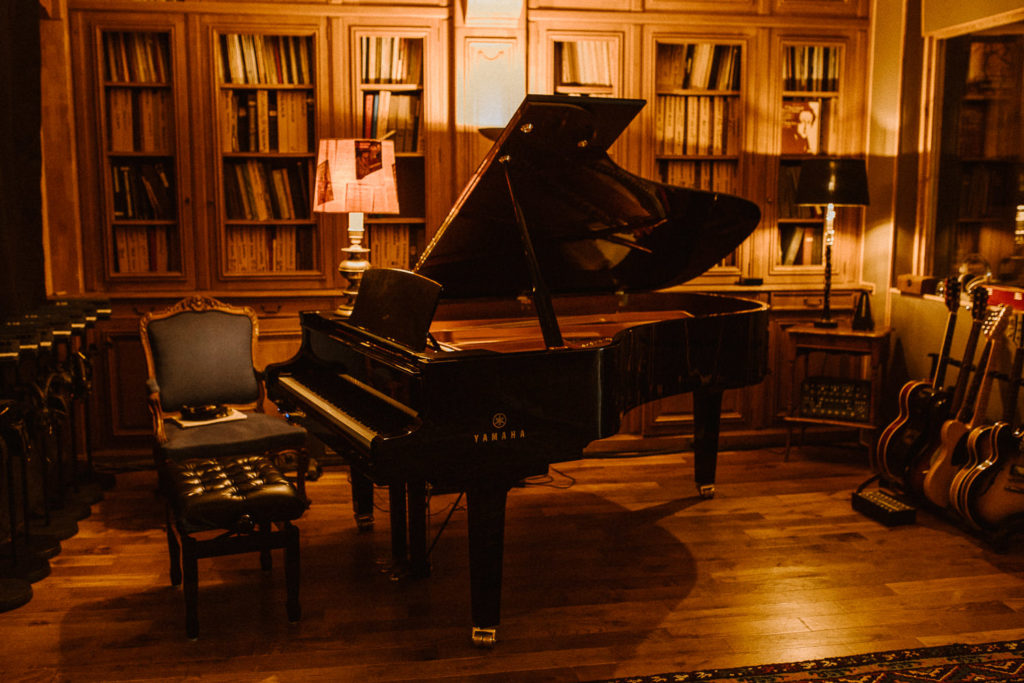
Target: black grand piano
528,328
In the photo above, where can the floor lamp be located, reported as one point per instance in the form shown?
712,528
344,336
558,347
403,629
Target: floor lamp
831,182
355,177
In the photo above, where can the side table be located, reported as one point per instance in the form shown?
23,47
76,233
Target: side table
837,401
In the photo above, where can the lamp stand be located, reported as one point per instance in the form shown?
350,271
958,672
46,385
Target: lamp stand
355,263
830,235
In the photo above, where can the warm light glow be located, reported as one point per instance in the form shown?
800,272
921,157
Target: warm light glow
355,175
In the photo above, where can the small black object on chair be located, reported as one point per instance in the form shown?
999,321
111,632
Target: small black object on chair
221,470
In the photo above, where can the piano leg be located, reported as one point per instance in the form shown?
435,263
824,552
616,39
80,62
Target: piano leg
486,517
399,544
362,500
707,418
419,566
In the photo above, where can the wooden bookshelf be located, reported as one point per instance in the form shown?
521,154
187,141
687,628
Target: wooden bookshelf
698,117
809,120
265,106
389,95
980,181
138,141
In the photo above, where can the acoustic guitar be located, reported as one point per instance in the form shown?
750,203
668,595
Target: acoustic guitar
991,451
951,453
948,403
924,405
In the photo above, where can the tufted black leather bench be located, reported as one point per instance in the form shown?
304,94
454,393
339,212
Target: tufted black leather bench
244,497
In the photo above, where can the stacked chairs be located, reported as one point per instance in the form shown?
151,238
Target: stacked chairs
47,486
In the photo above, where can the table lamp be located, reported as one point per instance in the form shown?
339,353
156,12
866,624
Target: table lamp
355,177
831,182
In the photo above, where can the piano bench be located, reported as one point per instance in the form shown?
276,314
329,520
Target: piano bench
245,503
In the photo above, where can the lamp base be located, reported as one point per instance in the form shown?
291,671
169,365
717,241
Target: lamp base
827,323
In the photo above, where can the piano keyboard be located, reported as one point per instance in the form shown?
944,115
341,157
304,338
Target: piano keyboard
379,414
351,426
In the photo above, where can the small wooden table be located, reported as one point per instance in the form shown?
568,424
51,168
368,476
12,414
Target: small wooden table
869,347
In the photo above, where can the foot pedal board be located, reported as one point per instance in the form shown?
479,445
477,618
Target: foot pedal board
884,508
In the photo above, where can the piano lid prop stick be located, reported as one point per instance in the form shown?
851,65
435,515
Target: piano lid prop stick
541,296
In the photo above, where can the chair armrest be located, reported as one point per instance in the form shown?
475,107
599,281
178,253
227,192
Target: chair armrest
153,403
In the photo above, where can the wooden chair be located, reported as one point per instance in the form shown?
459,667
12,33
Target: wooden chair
222,477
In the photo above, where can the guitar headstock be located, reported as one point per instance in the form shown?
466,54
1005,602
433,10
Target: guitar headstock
996,321
979,302
951,291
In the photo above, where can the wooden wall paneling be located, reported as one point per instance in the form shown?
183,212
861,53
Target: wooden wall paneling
708,6
844,8
62,228
489,57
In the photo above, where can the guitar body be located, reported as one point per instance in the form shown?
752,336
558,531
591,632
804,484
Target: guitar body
923,410
995,496
945,462
979,470
924,407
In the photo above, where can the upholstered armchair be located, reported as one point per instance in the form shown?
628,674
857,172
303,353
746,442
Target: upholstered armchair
220,458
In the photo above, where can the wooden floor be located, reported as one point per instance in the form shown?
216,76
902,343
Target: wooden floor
612,568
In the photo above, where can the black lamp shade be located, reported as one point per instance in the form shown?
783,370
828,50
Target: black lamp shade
832,181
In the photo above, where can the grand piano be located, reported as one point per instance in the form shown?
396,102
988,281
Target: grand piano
529,326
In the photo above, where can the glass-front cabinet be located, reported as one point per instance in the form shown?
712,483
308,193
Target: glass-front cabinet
978,199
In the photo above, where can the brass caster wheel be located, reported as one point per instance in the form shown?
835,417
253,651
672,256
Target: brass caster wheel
484,637
706,491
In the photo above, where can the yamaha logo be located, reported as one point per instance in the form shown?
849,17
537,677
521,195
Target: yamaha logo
499,421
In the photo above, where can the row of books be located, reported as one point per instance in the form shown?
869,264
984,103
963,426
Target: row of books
697,66
393,245
715,176
142,190
266,121
697,124
800,245
140,120
262,249
987,192
395,115
262,191
988,129
131,57
265,60
812,68
144,249
586,62
390,59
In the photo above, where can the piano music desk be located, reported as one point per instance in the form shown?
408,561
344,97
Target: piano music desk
868,348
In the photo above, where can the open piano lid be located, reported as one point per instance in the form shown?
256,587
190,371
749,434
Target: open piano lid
594,226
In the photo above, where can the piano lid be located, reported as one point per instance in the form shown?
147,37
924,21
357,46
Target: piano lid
594,226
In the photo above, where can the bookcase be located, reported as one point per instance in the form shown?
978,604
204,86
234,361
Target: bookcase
389,97
265,104
817,96
699,104
140,174
980,189
587,56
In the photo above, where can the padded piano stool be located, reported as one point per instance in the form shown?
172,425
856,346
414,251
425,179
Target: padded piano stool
240,503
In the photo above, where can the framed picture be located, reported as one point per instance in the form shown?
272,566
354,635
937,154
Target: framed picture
801,126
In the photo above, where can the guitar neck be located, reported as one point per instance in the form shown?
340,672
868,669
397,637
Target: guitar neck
1010,407
981,386
965,368
939,378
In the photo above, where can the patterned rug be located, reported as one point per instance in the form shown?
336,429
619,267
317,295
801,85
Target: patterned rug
944,664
